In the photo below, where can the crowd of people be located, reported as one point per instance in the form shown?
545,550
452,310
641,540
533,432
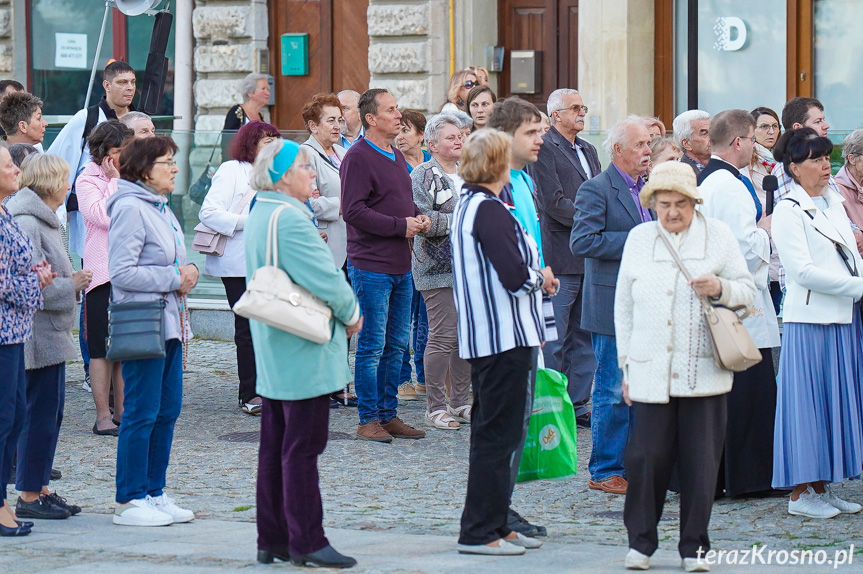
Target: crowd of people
478,237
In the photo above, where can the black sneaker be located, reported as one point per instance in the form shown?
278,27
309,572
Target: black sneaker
60,502
41,508
583,421
516,523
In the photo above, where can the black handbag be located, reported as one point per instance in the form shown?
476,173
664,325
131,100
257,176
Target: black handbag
198,190
136,331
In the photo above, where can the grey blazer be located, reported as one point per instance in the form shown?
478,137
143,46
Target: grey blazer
328,206
558,174
52,341
605,212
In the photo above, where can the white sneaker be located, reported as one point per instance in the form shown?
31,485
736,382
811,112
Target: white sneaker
812,505
140,512
504,548
525,541
842,505
635,560
695,565
167,505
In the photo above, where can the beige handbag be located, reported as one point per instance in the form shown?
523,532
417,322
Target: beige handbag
209,242
733,347
272,298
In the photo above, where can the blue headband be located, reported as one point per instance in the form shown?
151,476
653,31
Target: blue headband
284,159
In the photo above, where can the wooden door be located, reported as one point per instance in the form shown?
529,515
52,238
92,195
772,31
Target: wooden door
338,52
550,26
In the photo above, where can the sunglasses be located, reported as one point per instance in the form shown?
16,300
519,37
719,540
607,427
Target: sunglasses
470,84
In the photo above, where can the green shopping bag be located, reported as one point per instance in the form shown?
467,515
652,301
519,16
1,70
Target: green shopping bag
549,450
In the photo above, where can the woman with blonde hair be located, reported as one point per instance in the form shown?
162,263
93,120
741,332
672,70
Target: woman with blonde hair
45,181
460,85
497,285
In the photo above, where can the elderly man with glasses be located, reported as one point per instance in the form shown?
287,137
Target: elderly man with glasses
565,162
730,197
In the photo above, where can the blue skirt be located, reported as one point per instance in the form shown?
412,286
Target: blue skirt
818,433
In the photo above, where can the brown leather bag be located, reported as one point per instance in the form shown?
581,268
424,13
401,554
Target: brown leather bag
733,347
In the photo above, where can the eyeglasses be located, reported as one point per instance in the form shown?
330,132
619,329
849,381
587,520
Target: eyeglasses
574,108
752,139
305,166
169,162
769,127
470,84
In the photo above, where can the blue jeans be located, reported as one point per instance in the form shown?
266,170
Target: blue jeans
610,418
153,397
46,395
13,405
419,338
572,353
385,301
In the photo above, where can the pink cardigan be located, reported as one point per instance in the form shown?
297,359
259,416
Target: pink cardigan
93,188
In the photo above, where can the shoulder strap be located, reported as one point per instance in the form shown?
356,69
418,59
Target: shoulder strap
323,157
92,120
704,303
838,246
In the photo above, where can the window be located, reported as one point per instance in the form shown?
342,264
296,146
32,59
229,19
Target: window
68,33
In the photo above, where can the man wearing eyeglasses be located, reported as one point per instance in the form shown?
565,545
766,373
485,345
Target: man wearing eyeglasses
566,161
730,197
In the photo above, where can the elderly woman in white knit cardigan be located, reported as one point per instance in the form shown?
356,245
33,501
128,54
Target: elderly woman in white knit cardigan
666,354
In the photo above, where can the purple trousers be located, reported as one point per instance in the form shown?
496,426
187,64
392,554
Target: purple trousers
290,511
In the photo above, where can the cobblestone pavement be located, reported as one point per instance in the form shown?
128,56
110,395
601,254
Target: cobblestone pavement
410,487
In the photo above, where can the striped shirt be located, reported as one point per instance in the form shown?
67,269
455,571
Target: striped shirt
496,278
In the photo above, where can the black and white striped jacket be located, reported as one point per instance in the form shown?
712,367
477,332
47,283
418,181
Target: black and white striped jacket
496,278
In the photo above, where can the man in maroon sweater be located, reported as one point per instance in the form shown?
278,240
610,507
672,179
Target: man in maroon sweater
378,207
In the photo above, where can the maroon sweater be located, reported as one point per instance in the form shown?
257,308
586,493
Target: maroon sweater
376,200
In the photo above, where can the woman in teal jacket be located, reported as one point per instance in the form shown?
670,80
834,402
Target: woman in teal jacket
295,376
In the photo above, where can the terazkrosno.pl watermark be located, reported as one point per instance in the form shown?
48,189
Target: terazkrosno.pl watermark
761,554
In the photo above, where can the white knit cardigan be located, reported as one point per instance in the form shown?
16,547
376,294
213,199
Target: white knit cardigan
663,343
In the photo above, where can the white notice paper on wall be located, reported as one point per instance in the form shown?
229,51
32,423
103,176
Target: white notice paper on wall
71,51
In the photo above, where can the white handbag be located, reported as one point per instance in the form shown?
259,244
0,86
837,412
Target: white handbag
272,298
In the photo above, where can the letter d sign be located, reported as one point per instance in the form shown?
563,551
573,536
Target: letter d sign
730,34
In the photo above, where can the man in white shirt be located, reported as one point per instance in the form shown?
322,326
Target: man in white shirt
730,197
71,145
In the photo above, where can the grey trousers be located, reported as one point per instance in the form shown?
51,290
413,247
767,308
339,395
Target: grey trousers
441,354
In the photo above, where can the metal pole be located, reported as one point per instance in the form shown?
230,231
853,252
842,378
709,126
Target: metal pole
98,53
692,55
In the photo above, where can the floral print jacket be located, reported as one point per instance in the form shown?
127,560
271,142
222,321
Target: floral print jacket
20,295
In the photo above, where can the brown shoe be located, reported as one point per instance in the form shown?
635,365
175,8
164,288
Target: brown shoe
373,431
612,485
397,428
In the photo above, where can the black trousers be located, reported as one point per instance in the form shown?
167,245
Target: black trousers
496,430
690,432
234,289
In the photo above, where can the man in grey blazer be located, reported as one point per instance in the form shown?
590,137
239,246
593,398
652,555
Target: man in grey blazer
565,162
606,209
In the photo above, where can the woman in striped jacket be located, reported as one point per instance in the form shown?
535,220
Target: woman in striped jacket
497,284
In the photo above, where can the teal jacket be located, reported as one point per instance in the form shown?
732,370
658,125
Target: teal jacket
291,368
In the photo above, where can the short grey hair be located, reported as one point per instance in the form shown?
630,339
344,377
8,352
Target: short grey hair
555,101
682,124
437,123
261,178
250,84
617,134
464,120
352,92
129,118
853,144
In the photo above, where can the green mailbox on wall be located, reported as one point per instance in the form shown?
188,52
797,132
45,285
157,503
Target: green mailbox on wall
295,54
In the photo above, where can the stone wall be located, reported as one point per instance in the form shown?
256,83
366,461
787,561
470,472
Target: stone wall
227,33
408,49
6,46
